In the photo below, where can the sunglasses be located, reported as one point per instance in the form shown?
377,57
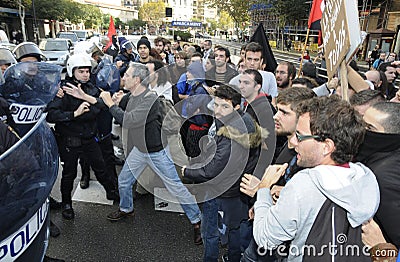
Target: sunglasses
300,137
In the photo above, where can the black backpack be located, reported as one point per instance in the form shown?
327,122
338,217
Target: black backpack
331,227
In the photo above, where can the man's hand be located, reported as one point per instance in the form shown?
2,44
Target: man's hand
275,192
333,83
272,175
83,108
251,213
372,234
75,91
106,96
116,98
249,185
396,98
60,93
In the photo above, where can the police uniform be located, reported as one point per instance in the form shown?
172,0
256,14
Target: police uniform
77,136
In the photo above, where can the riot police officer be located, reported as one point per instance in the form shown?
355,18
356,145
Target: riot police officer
76,130
6,58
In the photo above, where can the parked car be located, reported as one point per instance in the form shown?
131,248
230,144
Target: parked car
68,35
83,35
56,50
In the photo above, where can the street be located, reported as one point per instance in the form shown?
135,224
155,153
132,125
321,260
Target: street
148,236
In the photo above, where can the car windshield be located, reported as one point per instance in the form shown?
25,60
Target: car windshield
81,34
56,46
71,37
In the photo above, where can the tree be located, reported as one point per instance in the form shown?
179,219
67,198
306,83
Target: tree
92,16
135,24
152,12
225,21
236,9
290,12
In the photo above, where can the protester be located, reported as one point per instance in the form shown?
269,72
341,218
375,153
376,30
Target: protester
235,135
285,72
389,69
158,80
144,147
380,152
324,153
254,60
364,99
221,73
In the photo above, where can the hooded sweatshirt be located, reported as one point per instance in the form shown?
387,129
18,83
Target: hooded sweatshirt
355,189
229,150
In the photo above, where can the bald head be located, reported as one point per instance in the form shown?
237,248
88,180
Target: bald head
375,78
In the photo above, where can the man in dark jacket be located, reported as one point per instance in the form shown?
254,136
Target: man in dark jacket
142,121
221,72
380,152
236,134
76,130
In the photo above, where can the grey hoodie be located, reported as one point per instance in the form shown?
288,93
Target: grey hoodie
355,189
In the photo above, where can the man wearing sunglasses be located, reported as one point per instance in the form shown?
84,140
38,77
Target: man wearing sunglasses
328,134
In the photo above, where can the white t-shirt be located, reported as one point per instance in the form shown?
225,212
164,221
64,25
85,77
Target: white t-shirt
268,86
163,90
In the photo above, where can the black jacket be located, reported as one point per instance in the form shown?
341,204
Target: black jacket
236,134
262,112
381,153
61,112
229,74
126,59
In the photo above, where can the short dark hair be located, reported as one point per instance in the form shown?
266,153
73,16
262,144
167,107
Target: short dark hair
226,50
254,47
335,119
291,68
391,124
309,69
208,41
367,96
257,76
160,39
161,71
294,95
305,81
196,54
229,93
383,67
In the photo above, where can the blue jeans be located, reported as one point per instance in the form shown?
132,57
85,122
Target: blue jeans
235,212
162,165
209,230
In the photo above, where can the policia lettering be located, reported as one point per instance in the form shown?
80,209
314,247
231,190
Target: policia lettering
18,242
26,114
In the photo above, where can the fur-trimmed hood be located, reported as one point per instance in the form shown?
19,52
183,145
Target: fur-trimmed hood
241,128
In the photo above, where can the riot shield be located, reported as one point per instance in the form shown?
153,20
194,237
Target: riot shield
29,168
29,87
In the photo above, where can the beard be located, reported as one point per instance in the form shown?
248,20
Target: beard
284,83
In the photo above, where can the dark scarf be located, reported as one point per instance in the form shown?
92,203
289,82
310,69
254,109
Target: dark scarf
377,142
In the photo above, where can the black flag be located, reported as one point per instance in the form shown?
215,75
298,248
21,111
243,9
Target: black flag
269,59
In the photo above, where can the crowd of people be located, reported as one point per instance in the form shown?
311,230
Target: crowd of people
280,155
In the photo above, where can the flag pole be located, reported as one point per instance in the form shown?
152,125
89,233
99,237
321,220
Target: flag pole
302,52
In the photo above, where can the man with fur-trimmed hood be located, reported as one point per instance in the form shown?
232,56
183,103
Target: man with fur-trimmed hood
235,134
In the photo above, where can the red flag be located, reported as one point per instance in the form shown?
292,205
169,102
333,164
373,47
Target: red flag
314,21
111,32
